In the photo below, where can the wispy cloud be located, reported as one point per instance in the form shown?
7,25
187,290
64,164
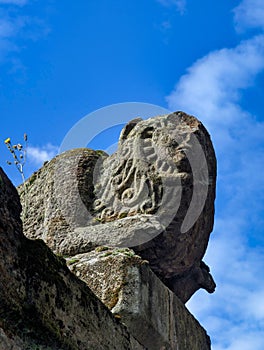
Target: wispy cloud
233,316
249,14
38,155
16,29
180,5
212,89
10,27
213,85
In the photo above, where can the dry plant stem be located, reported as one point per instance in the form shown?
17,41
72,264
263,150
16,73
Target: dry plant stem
19,154
24,213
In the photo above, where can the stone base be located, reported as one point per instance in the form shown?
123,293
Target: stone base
151,312
42,304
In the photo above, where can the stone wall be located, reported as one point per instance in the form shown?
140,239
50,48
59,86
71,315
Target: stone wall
127,286
42,304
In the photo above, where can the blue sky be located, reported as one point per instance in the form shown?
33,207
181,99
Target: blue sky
60,60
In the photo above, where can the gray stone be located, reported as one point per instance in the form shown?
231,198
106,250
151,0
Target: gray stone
152,313
155,194
186,285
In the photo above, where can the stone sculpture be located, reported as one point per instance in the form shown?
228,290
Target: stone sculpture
44,306
155,194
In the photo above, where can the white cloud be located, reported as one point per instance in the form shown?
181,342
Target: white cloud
249,14
242,341
179,4
15,29
10,27
254,304
234,315
212,86
38,155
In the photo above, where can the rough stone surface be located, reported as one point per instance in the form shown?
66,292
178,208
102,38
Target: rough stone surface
42,304
57,195
152,313
146,196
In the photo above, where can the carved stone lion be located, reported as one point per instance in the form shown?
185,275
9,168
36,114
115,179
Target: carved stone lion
155,194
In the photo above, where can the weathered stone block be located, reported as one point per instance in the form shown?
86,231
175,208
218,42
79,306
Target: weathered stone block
152,313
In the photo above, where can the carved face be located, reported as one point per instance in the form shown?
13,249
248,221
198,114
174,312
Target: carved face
145,175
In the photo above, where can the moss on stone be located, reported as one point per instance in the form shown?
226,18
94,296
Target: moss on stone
32,179
101,153
72,261
101,249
